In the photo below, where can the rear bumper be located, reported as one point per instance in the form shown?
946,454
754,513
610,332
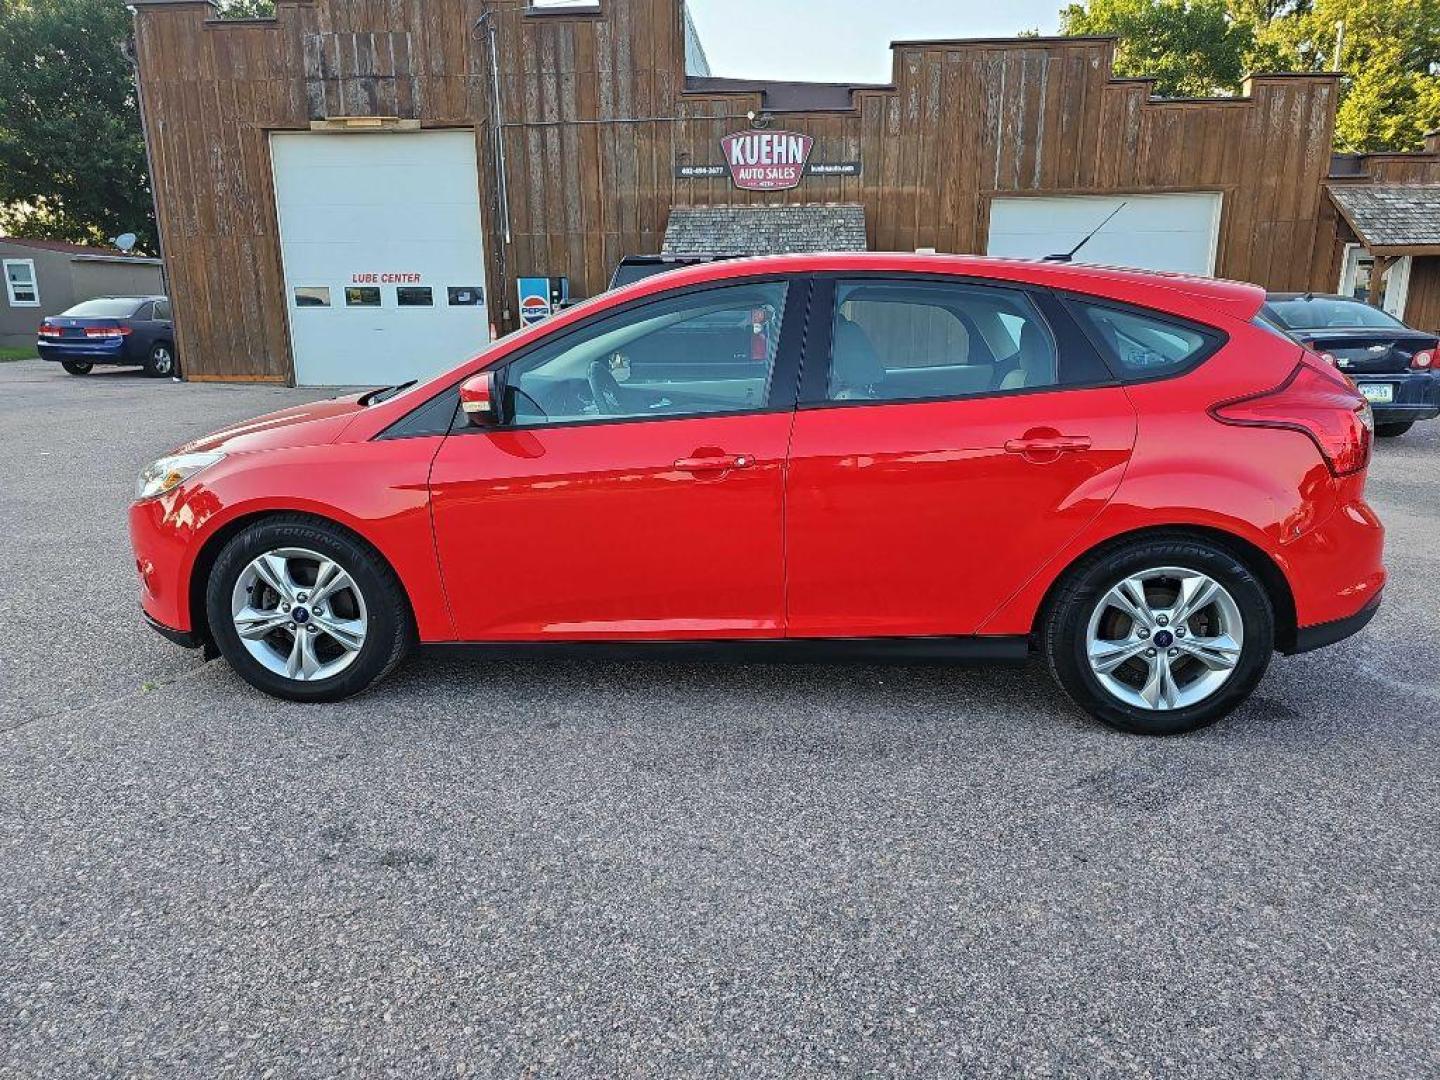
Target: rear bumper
1416,396
1310,638
99,351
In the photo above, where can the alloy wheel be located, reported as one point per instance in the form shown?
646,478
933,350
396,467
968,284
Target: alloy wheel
1165,639
300,614
162,361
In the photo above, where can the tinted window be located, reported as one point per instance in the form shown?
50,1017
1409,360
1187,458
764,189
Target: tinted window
1144,345
105,307
466,295
362,296
897,341
312,296
414,296
162,310
1327,312
706,352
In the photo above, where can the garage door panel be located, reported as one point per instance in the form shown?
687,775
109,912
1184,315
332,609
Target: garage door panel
1178,232
377,213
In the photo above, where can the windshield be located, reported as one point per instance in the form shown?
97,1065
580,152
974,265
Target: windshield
105,307
1330,313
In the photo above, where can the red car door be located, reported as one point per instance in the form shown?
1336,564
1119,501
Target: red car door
634,487
952,436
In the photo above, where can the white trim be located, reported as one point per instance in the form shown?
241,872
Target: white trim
10,285
1397,279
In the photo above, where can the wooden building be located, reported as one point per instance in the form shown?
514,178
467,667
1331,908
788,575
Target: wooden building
354,191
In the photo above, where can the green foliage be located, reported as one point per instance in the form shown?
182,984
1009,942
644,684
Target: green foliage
72,160
1390,95
247,9
1391,63
1191,48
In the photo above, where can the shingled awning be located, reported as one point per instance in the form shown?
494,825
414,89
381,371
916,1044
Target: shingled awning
765,230
1392,219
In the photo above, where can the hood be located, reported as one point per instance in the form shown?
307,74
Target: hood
315,424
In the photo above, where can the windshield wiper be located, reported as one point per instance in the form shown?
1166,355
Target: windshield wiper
378,397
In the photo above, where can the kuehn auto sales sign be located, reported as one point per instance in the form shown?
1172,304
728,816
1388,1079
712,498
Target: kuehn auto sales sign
767,160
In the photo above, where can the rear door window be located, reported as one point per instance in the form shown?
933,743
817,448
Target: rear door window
899,340
1143,345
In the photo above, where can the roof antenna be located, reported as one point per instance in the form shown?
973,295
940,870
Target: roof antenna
1069,256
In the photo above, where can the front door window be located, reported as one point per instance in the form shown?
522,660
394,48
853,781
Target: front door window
697,354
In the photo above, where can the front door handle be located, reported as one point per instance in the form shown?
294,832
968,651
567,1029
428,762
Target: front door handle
717,463
1048,444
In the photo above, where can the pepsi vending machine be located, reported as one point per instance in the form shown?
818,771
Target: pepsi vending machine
541,297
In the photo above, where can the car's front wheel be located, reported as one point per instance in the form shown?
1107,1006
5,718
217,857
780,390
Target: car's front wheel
307,612
1395,430
1160,637
75,367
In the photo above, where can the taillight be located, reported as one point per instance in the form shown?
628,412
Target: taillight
1422,360
1318,402
106,331
46,330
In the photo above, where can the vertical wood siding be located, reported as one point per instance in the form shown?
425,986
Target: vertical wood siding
597,118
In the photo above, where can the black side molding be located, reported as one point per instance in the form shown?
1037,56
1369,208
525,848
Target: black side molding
1310,638
184,638
913,650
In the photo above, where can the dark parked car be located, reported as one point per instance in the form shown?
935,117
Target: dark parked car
1393,365
633,268
124,330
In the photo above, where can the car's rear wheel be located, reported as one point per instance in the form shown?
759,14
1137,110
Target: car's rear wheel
1395,430
1160,637
160,364
307,612
75,367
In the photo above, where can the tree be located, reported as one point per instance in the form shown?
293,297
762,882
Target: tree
72,157
72,160
1191,48
1390,95
1390,59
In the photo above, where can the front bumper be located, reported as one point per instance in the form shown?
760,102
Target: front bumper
1416,396
184,638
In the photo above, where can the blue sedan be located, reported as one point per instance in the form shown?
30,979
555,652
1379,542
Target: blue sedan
124,330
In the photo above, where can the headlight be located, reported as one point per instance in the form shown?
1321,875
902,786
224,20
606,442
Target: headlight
169,473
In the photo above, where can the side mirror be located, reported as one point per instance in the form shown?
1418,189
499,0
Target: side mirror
480,398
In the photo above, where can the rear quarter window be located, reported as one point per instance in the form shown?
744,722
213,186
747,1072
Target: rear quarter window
1145,345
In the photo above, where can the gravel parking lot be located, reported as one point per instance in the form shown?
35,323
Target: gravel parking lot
604,869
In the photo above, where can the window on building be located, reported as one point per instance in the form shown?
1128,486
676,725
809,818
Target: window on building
20,286
414,296
362,296
466,295
312,296
906,341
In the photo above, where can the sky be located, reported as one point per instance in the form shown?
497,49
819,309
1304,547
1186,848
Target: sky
847,40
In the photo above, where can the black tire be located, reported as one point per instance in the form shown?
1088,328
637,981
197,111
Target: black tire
390,628
1067,618
1395,430
75,367
161,363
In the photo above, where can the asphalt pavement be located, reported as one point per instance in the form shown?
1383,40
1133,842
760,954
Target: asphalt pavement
581,869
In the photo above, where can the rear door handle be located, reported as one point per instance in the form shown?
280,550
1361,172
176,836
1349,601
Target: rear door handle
1049,444
719,463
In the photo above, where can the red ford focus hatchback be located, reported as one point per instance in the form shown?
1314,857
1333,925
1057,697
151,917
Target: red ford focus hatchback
1127,474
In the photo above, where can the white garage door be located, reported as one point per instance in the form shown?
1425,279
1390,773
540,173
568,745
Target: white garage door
1152,232
384,258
